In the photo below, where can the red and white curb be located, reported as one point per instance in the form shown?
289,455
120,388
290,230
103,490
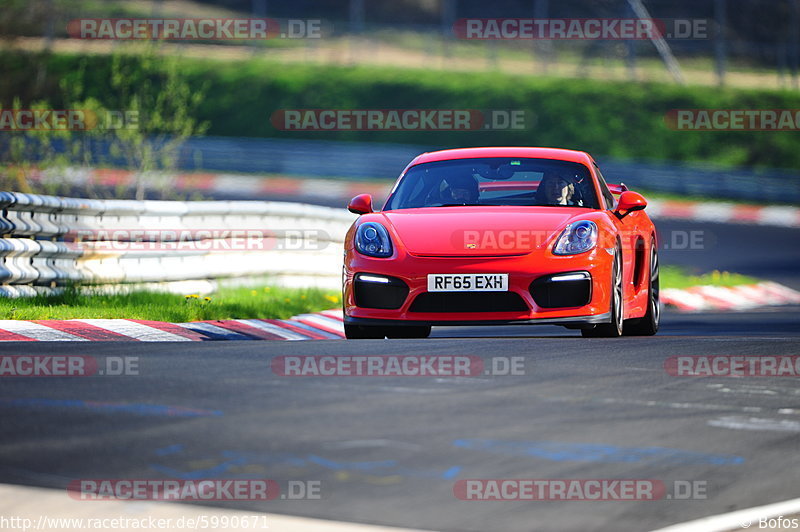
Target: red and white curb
329,325
743,297
326,325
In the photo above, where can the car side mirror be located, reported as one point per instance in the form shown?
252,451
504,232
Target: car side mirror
629,201
361,204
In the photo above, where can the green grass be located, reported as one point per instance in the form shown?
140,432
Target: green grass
677,277
228,303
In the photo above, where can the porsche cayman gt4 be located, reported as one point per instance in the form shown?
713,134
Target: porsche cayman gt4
480,236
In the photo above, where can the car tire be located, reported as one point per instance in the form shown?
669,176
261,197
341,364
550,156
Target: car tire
648,324
364,332
613,329
413,331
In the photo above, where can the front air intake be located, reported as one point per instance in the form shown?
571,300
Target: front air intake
468,302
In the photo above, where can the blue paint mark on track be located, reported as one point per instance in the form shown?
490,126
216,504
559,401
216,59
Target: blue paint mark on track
211,472
585,452
230,459
170,449
451,473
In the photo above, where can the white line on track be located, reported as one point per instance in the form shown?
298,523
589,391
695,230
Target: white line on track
735,338
755,423
370,444
662,404
738,520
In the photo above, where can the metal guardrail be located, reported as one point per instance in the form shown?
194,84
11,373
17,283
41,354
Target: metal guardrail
49,241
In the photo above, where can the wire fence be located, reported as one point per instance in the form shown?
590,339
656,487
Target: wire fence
753,43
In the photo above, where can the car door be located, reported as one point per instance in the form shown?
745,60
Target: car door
627,229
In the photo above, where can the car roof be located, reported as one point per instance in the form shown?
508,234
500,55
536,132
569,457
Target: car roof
510,151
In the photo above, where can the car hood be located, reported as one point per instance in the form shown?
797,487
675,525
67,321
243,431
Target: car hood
478,231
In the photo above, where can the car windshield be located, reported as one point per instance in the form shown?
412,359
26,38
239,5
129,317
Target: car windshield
495,181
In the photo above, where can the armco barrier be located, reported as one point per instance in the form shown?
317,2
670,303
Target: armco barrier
48,241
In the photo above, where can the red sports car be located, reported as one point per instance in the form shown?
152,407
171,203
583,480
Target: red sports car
480,236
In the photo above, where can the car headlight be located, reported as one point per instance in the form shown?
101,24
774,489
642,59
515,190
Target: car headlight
373,240
577,237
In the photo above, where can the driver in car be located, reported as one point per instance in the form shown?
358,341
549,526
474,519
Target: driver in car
554,190
463,189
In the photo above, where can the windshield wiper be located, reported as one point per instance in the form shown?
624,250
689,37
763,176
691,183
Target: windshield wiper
459,205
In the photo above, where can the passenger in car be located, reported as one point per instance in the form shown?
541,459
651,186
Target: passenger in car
554,189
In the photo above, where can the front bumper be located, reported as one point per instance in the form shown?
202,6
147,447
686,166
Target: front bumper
572,320
531,298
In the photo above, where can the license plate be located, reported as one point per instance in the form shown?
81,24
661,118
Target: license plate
468,282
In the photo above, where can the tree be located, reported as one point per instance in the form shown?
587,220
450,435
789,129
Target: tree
147,115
